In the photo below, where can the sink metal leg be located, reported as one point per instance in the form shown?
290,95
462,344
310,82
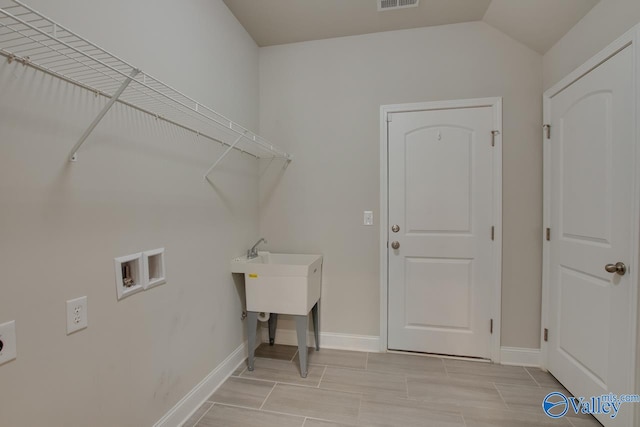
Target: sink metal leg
315,313
273,323
302,322
252,324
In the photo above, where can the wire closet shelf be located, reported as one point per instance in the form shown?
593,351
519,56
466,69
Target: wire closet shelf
31,39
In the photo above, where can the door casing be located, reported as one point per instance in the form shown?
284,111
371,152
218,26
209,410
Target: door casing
630,38
496,104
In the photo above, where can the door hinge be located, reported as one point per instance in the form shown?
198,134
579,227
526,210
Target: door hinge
493,137
493,232
491,327
548,234
546,334
547,130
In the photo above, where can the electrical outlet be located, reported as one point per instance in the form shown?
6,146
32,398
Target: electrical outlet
76,314
368,217
7,341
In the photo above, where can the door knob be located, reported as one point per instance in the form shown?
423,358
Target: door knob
618,268
395,228
395,245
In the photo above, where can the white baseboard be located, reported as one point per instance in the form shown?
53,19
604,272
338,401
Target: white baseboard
520,356
188,405
368,343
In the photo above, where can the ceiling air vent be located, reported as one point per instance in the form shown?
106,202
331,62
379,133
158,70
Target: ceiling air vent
396,4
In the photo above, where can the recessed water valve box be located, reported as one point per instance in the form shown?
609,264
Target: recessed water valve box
7,341
129,275
153,262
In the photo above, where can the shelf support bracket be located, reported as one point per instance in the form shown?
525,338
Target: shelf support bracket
223,155
100,116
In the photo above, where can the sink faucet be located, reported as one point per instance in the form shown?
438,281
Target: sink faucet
253,252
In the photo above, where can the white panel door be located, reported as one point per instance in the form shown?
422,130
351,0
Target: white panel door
441,199
591,214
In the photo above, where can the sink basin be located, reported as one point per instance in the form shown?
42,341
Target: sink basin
280,283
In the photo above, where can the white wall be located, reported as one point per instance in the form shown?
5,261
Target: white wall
321,100
138,185
608,20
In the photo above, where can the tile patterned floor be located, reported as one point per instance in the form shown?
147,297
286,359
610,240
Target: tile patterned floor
346,388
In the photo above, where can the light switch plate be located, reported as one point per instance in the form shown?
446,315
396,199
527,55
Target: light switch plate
8,340
368,217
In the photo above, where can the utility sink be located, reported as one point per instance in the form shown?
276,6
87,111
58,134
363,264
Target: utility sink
280,283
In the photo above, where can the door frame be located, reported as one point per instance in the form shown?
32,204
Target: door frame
496,104
630,38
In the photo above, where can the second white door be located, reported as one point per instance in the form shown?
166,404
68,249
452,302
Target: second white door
591,206
441,248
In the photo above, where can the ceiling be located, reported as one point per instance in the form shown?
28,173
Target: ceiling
536,23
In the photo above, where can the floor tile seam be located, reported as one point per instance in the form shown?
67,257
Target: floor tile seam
460,407
493,379
464,420
374,392
324,389
406,385
267,411
275,359
336,366
295,384
516,384
450,407
291,362
528,388
396,374
240,373
532,377
501,396
322,377
312,383
202,416
454,381
327,420
317,364
254,379
269,394
306,416
503,408
359,411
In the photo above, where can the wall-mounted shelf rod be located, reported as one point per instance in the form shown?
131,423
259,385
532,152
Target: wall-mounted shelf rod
231,147
92,126
32,39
